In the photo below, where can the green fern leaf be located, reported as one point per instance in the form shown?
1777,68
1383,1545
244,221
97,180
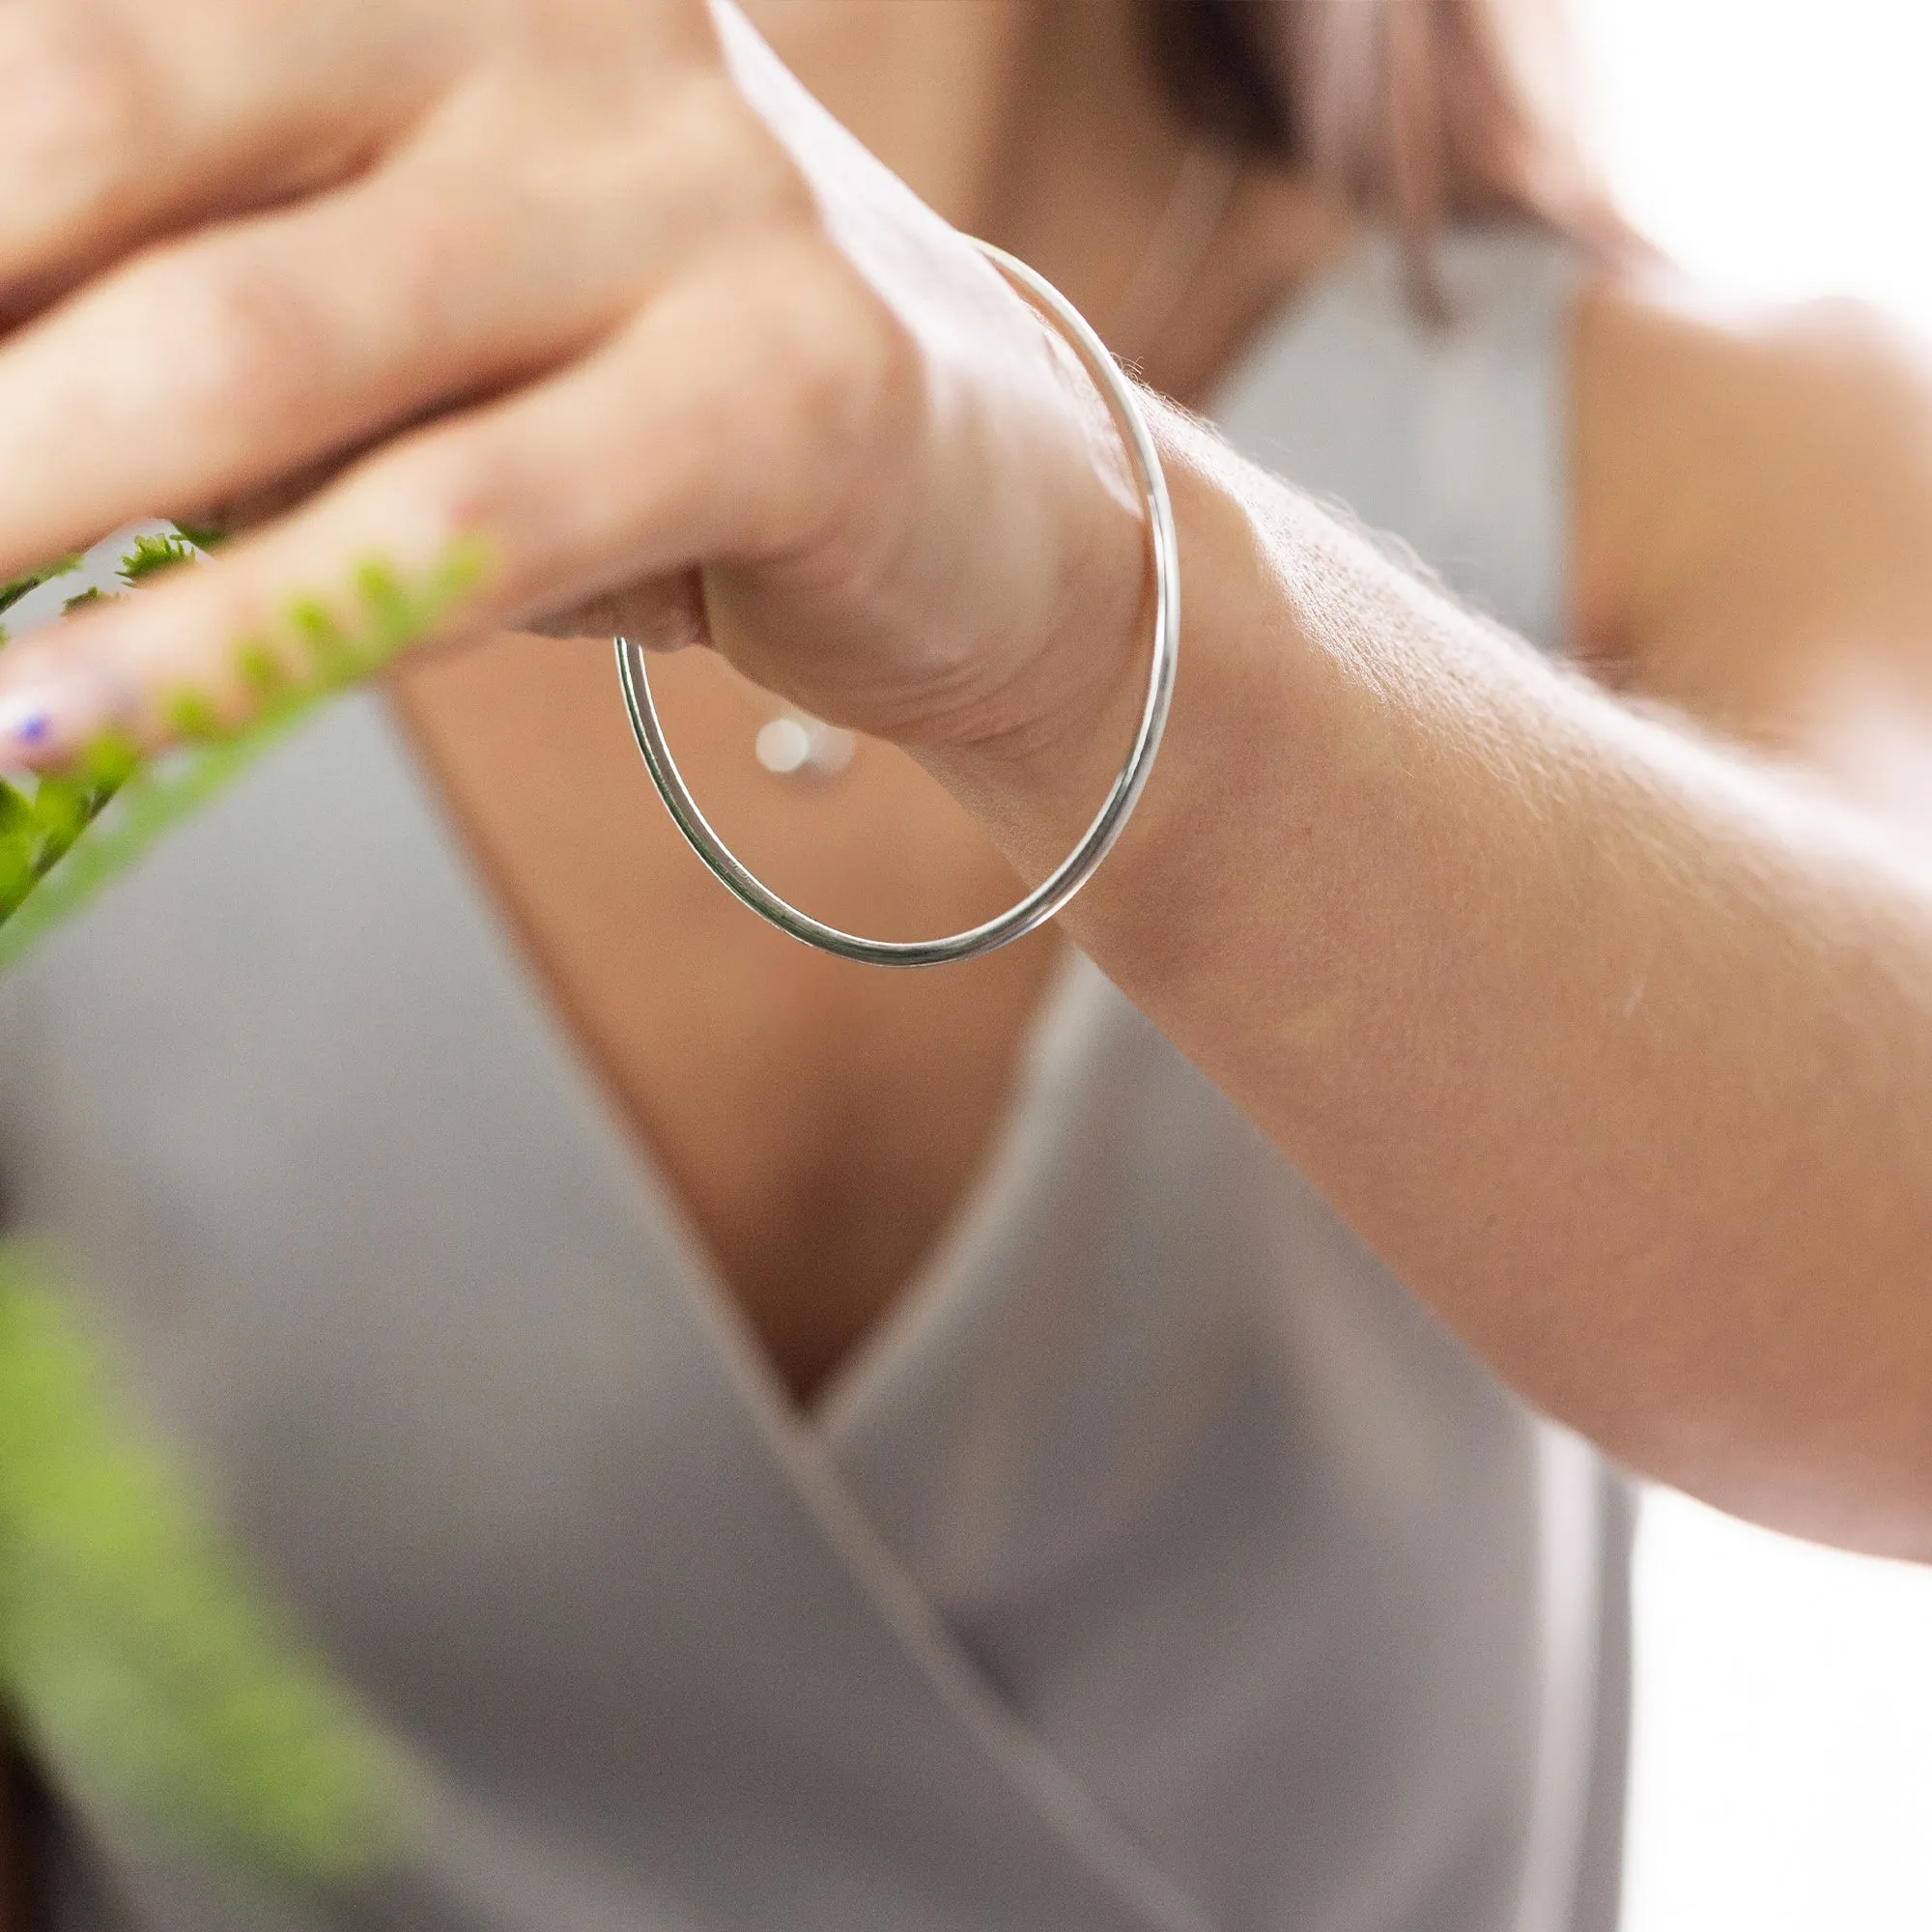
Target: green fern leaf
138,1654
153,553
17,588
74,834
133,1647
160,797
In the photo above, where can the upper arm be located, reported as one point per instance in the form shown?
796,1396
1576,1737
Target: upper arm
1753,511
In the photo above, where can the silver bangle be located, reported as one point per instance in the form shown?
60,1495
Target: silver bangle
1048,898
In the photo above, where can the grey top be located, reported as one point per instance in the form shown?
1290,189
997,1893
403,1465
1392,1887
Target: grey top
1161,1566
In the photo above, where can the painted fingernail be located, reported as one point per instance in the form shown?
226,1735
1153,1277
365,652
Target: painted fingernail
25,721
50,710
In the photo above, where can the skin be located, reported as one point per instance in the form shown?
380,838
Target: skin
820,1122
1608,1029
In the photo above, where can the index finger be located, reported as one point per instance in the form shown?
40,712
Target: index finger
118,121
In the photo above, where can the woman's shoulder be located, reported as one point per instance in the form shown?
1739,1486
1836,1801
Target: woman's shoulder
1753,484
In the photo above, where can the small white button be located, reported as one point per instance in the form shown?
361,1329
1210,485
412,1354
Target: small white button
789,746
785,746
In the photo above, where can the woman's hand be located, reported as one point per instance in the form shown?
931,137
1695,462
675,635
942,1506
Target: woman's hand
1613,1046
589,284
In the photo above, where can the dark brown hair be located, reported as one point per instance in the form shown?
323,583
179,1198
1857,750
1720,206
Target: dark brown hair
1420,111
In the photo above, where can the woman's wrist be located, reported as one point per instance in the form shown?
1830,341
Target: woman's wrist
1036,783
1496,963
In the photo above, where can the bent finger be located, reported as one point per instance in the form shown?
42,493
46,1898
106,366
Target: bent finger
214,367
713,428
122,120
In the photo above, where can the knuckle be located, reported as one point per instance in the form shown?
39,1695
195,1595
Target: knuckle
459,489
236,344
82,104
707,134
430,241
817,377
847,353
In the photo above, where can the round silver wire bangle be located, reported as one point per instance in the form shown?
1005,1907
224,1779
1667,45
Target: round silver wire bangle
1080,865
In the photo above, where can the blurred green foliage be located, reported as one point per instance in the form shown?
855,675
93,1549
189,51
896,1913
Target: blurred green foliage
136,1653
59,842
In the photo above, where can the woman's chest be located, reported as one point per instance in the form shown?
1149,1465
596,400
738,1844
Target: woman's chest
380,1264
817,1121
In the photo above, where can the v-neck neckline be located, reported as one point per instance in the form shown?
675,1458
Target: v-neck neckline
798,1442
950,1264
955,1261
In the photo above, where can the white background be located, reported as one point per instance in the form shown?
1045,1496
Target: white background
1784,1779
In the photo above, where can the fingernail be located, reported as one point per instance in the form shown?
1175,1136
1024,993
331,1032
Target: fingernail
24,720
51,711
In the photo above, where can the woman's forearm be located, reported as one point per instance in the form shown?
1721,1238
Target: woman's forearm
1616,1046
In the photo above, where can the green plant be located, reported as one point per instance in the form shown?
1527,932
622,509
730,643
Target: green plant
133,1647
17,588
153,553
60,843
135,1652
